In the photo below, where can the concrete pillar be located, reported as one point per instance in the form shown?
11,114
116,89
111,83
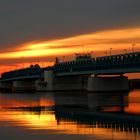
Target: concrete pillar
49,79
108,84
70,83
40,85
6,86
27,85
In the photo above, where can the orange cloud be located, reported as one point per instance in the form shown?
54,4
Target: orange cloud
98,42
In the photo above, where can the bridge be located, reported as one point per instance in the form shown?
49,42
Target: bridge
32,72
76,74
85,73
21,79
114,64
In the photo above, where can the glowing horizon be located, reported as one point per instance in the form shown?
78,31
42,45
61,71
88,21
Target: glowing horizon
120,40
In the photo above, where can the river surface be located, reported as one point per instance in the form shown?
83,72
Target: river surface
66,116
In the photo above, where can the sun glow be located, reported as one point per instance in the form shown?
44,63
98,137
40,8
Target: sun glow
98,42
46,122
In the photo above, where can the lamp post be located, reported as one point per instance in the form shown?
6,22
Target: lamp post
105,53
63,58
91,53
133,47
125,51
110,51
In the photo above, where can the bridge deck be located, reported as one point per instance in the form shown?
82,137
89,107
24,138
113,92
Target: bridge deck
125,63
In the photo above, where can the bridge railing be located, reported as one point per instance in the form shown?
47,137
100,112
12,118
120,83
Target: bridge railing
26,72
100,63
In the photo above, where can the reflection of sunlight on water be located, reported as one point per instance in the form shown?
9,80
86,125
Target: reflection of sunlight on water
20,100
134,102
46,120
31,120
35,113
133,108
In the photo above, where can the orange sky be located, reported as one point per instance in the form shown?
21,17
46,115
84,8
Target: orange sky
45,51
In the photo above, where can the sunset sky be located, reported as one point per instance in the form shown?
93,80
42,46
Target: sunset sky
37,31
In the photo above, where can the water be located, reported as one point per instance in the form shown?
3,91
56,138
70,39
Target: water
65,116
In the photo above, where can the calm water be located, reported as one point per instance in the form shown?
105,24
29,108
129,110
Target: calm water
67,116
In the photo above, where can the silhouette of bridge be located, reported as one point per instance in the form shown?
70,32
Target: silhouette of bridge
32,72
82,65
114,64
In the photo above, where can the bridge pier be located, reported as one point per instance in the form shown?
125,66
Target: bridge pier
108,84
6,86
41,85
49,80
64,83
23,85
73,83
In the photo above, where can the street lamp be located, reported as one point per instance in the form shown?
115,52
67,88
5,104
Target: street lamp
110,50
91,53
133,47
63,58
125,51
105,53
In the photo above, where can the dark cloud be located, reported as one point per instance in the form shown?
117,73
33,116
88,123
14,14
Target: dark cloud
27,20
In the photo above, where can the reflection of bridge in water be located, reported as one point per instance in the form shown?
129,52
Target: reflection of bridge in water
116,122
71,109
